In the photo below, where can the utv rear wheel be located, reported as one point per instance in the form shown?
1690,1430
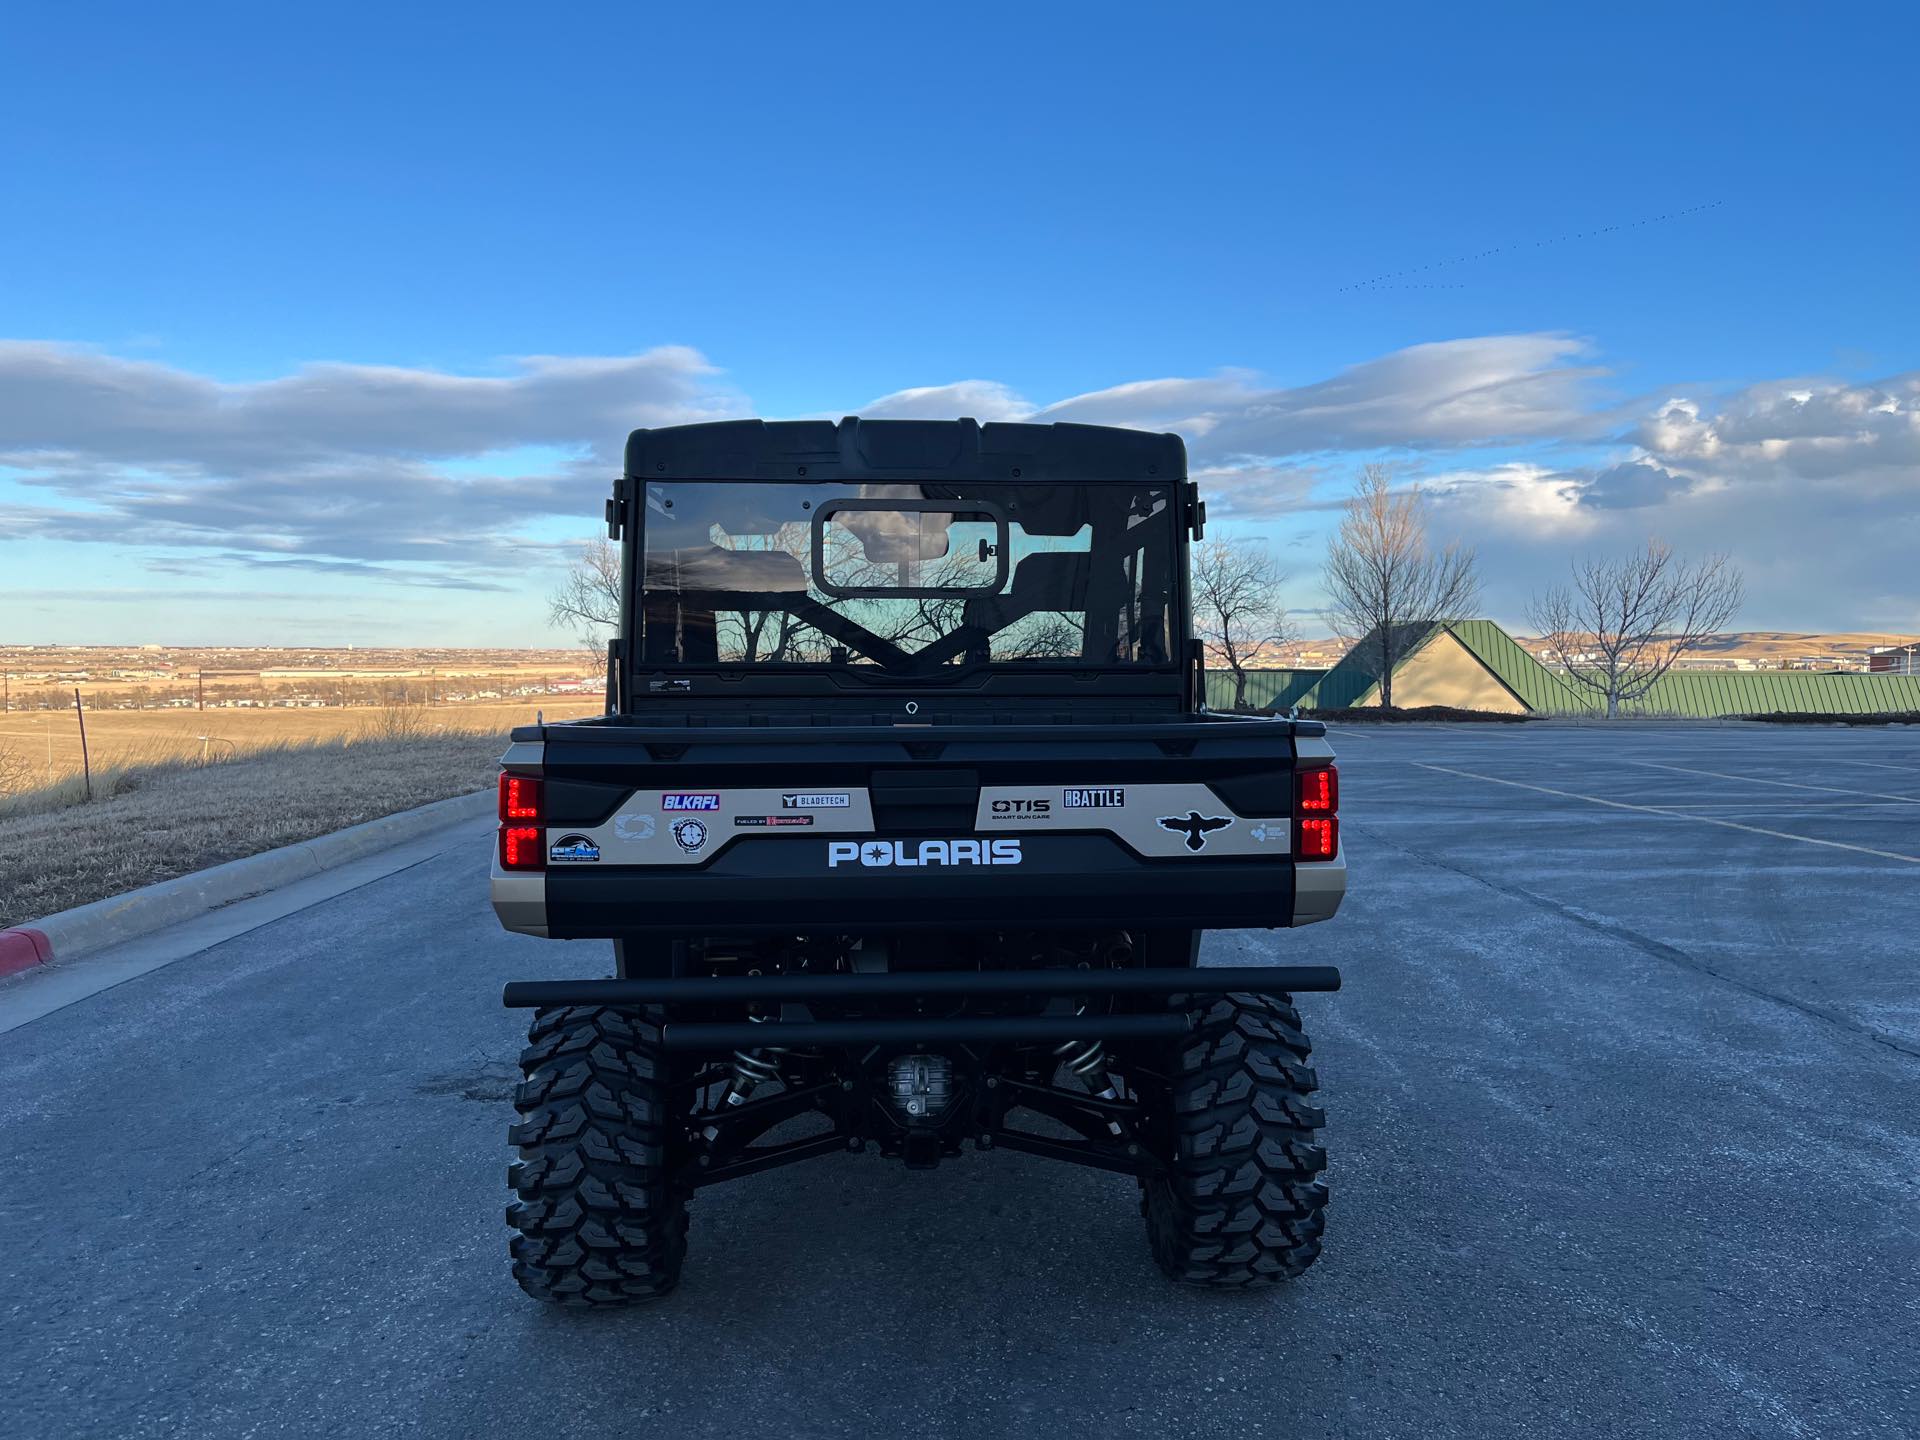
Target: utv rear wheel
1240,1204
598,1219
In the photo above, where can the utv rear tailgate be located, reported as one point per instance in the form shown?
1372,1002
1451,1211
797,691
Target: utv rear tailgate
830,828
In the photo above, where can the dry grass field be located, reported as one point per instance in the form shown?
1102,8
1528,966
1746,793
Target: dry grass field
41,748
270,778
161,822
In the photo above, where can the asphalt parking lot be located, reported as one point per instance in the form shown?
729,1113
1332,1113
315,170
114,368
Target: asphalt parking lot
1624,1096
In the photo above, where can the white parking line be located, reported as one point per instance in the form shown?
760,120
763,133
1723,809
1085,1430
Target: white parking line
1876,764
1674,815
1784,784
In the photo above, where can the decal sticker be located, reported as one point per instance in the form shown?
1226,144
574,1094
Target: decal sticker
771,822
690,835
1195,826
573,850
634,827
1264,832
909,853
1022,809
1097,797
837,800
689,802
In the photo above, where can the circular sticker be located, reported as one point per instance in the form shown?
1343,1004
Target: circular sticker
689,834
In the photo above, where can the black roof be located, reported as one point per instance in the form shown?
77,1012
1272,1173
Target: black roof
949,450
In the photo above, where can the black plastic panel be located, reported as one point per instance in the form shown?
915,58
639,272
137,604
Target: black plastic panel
855,449
784,886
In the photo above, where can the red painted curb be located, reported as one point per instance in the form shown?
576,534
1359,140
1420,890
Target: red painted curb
23,949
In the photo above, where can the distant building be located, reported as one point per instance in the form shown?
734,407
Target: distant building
1476,665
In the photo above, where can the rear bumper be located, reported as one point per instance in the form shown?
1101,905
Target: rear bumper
1147,992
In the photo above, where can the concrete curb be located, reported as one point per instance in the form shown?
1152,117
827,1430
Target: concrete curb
104,923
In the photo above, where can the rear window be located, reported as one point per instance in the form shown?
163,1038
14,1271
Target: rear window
909,577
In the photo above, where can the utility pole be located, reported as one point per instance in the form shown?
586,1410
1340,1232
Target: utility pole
200,690
86,764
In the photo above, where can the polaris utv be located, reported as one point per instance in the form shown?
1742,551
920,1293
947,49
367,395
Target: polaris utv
905,819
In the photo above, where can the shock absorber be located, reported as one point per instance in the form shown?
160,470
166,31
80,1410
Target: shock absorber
1088,1060
751,1069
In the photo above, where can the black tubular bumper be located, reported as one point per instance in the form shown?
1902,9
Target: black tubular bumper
1156,984
930,984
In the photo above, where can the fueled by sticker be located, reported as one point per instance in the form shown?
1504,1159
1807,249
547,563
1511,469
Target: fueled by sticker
1094,797
906,854
683,801
771,822
829,800
572,850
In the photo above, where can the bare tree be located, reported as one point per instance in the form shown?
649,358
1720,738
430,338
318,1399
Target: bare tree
587,601
1624,621
1383,577
1236,604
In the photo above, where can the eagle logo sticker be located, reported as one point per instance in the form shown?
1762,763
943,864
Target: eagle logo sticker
1195,826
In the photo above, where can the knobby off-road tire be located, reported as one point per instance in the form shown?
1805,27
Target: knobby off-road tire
1240,1205
598,1220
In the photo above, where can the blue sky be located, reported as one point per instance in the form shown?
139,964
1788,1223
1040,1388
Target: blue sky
270,279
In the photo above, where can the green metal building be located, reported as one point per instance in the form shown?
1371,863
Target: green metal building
1476,665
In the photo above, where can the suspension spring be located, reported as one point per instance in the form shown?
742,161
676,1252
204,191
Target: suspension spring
1088,1060
1085,1058
755,1067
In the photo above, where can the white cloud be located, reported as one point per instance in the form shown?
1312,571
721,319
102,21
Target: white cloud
348,463
377,473
1811,486
984,400
1453,393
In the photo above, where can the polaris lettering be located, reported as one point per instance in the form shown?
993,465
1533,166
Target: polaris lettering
907,854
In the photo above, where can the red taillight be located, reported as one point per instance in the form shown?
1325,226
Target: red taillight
1318,791
523,847
1319,839
1316,829
519,797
